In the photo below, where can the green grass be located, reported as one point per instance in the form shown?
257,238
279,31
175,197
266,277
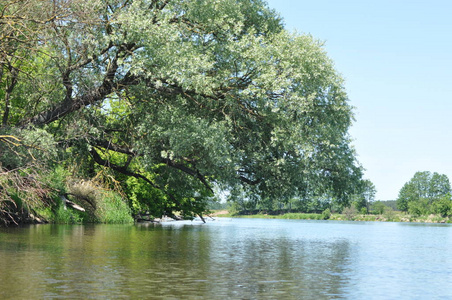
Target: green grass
66,216
112,209
292,216
302,216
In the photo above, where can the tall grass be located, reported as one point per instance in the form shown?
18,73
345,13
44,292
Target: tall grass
101,205
64,215
113,209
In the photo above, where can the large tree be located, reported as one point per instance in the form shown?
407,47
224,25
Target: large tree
424,186
181,96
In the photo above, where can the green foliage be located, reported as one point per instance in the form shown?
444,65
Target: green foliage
216,204
364,195
63,215
443,206
418,208
143,198
31,196
176,99
20,147
326,214
304,216
350,212
56,179
425,193
390,203
390,215
113,209
25,191
102,205
379,207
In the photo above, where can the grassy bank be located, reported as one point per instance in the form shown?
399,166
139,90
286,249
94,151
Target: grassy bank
386,217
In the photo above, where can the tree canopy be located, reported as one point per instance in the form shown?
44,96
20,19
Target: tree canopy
176,98
423,190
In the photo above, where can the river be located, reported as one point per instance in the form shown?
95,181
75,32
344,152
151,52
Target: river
228,259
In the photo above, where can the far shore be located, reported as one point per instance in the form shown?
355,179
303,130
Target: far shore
391,216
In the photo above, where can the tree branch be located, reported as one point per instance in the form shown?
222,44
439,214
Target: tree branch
110,146
249,181
193,172
187,170
123,170
69,104
9,89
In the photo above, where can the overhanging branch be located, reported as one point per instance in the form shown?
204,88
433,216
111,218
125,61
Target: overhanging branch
123,170
187,170
124,150
70,104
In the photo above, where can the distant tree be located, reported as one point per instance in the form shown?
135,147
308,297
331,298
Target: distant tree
406,194
364,196
379,207
439,186
391,204
422,190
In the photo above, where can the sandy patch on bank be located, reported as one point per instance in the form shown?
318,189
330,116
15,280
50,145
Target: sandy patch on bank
218,213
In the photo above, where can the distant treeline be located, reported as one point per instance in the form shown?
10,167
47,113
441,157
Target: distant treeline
374,207
390,203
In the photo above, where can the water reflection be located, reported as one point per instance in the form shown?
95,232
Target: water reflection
262,267
239,259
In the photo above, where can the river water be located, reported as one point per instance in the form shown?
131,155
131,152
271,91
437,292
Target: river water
228,259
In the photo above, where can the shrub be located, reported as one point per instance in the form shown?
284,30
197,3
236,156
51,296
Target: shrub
350,212
111,208
62,215
102,205
443,207
326,214
378,207
390,215
25,191
418,208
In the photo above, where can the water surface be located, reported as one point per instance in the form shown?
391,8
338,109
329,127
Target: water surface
228,258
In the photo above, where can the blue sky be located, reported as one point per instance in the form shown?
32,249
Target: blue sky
396,59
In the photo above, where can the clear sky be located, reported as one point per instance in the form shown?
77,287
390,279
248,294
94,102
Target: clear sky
396,59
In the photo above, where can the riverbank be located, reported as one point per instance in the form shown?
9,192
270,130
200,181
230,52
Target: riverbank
391,216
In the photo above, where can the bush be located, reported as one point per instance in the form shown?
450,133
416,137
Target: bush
378,207
350,212
111,208
443,207
390,215
62,215
102,205
418,208
326,214
24,192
